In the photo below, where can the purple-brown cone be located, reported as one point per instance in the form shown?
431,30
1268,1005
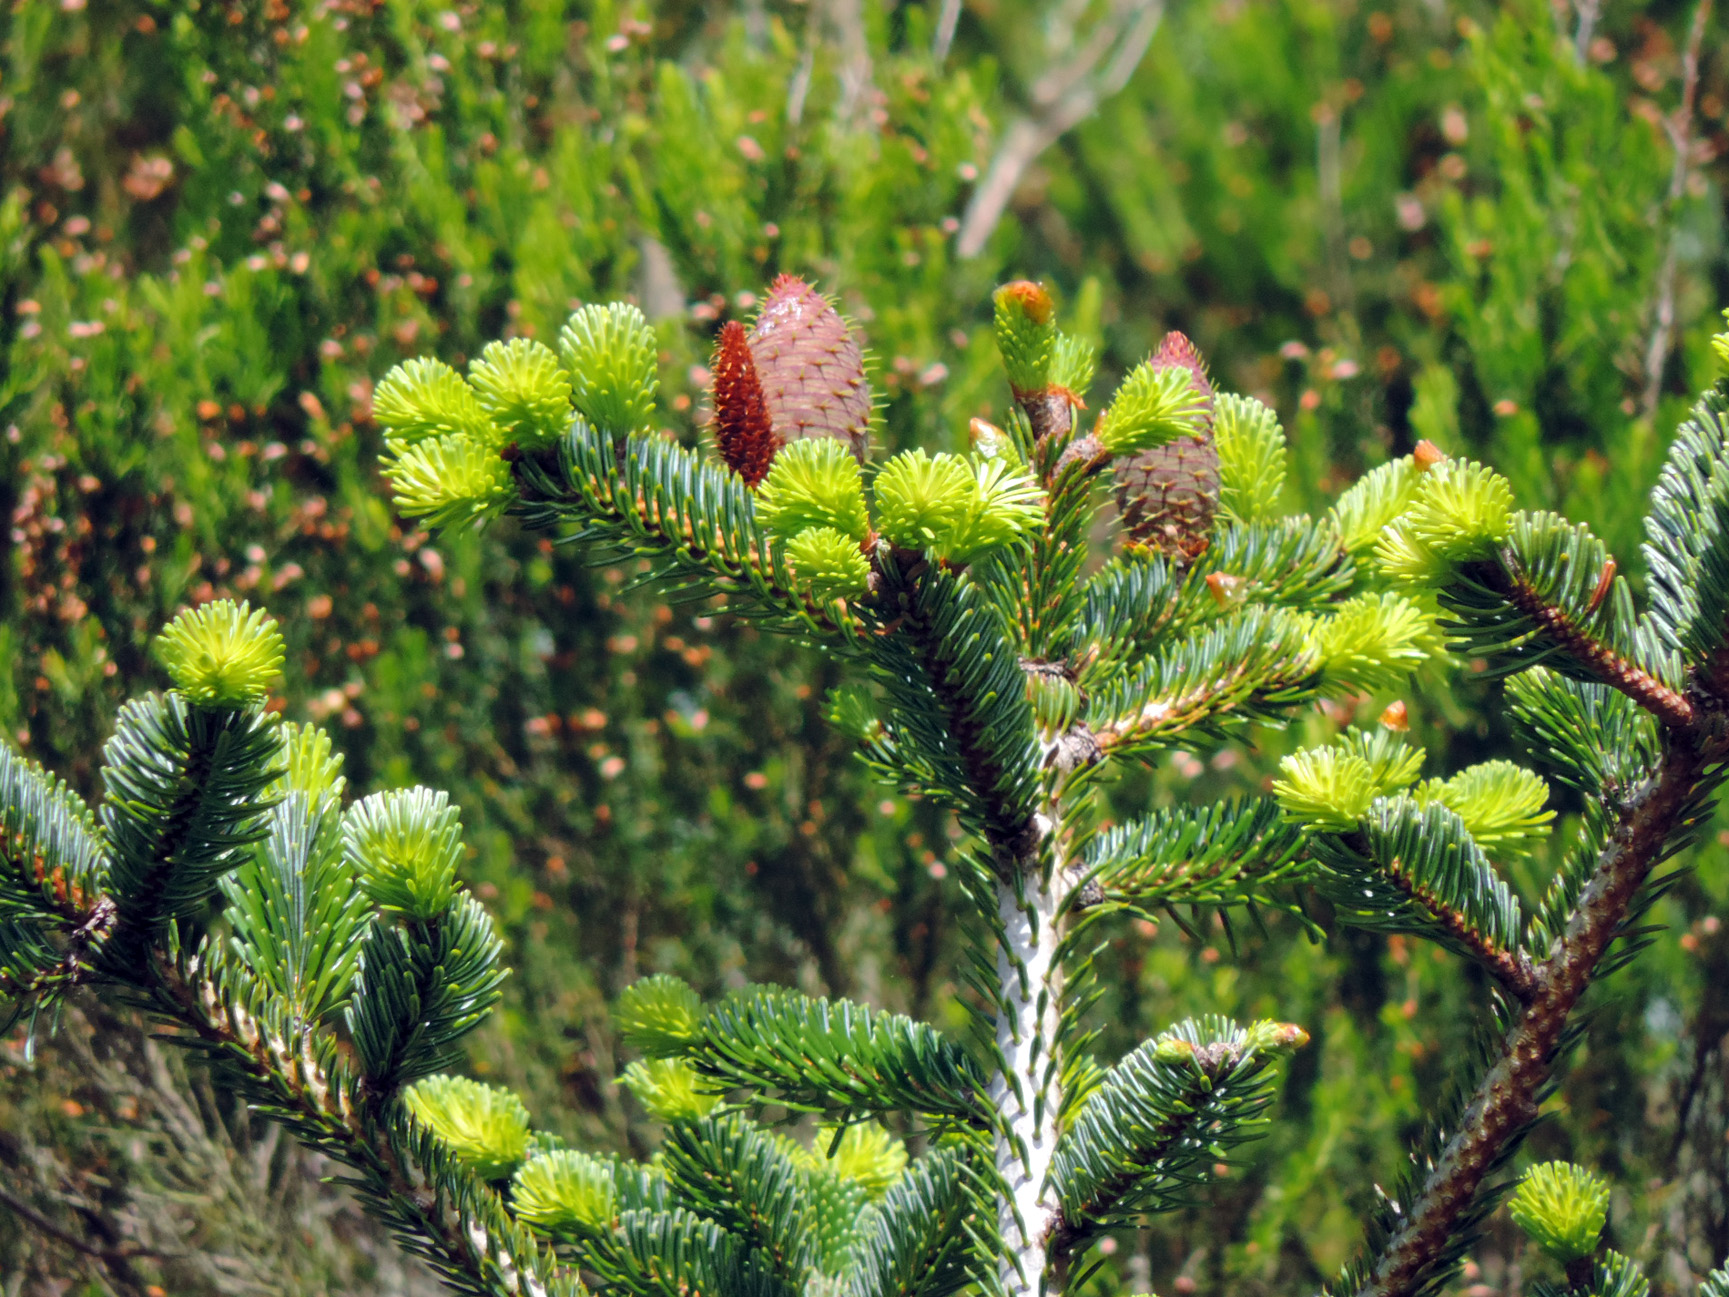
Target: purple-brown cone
810,368
1167,496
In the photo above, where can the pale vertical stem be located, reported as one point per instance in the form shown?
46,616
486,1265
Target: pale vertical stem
1679,126
1027,1094
948,18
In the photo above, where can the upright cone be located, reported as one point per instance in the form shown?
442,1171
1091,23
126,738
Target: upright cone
742,432
801,366
1168,496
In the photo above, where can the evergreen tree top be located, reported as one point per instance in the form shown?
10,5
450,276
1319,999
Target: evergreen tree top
328,958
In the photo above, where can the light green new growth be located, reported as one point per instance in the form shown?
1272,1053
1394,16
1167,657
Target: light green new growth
405,845
922,499
1562,1208
1374,641
851,710
866,1154
1333,787
668,1089
659,1015
449,480
1720,344
485,1127
1252,456
613,360
309,764
424,398
1501,803
1074,362
1393,762
828,563
814,482
1026,335
564,1190
956,510
1373,501
520,385
223,654
1267,1035
1006,504
1154,406
1459,512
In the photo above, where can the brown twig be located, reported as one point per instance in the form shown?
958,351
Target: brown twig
1050,413
948,18
1668,706
1505,1102
1588,14
1679,127
846,20
1512,971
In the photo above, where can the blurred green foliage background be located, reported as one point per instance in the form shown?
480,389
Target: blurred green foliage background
221,221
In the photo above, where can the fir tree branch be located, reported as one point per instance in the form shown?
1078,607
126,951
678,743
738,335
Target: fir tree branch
1667,705
919,1242
1512,969
90,931
1254,665
826,1055
1505,1102
468,1241
184,785
1007,820
1048,596
1224,853
655,499
1151,1131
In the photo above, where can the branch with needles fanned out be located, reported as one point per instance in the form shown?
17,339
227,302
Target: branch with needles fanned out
1504,1103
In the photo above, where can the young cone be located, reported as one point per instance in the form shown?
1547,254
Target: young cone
810,368
1167,496
742,432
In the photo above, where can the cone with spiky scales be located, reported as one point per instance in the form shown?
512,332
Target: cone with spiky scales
1168,495
798,373
811,367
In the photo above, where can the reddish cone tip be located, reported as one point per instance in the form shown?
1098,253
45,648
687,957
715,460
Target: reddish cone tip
1177,352
1034,301
742,431
811,368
